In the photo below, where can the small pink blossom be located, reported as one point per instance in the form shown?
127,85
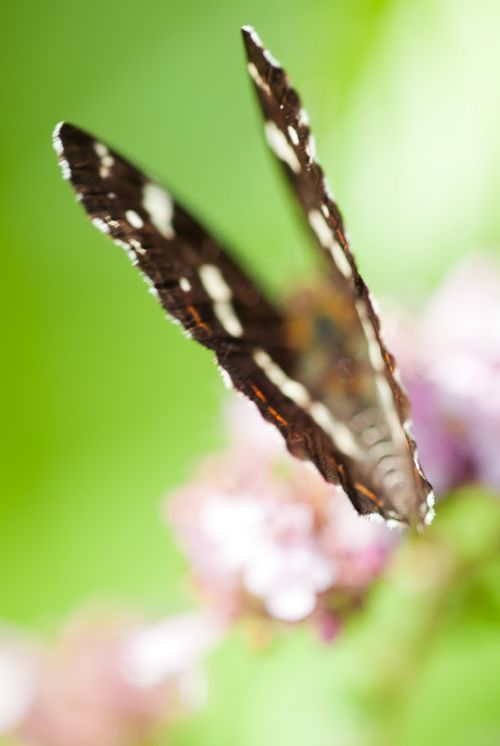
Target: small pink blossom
450,363
264,532
113,680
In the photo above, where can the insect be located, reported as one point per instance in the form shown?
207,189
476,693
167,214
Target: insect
320,374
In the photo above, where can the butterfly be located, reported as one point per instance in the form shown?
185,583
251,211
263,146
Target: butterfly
318,370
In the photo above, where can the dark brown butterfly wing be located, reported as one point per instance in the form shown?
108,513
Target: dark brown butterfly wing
198,284
368,400
217,304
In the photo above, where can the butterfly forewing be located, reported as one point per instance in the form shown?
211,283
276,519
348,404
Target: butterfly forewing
196,280
198,284
364,395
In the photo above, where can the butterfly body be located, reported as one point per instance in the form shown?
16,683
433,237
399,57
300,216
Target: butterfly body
317,368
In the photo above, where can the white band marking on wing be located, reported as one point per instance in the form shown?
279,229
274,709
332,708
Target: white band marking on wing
293,389
293,135
298,393
327,240
220,292
258,79
280,146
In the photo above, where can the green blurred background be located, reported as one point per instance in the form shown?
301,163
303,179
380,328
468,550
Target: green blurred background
106,406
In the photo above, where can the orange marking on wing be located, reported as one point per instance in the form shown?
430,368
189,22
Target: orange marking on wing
258,393
342,239
388,360
198,320
277,416
369,494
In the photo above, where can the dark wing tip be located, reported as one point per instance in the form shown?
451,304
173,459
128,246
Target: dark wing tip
68,141
256,52
248,30
252,40
65,132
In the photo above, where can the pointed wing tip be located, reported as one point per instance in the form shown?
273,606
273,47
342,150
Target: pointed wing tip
62,128
65,137
251,39
256,51
248,31
62,131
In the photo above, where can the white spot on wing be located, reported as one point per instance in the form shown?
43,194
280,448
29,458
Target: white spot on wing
298,393
214,283
258,79
321,228
375,518
280,146
311,148
227,317
292,132
374,351
105,158
303,118
377,360
101,225
100,149
269,58
226,378
408,428
137,246
220,292
392,523
130,253
105,169
340,434
293,389
134,219
121,244
160,207
429,516
327,240
184,284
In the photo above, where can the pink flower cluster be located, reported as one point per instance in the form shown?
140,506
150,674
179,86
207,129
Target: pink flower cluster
265,534
110,679
450,363
266,537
